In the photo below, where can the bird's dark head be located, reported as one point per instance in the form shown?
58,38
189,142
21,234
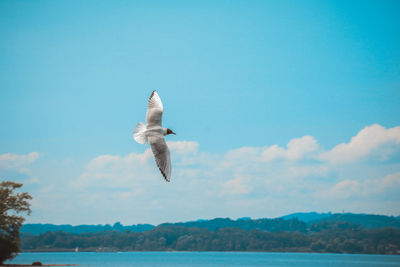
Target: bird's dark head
169,131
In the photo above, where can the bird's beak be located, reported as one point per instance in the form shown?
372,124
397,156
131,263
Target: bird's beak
173,133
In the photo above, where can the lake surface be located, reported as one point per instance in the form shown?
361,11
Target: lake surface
169,259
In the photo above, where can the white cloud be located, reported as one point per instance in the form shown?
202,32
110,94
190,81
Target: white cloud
116,171
365,188
102,161
391,181
345,188
17,162
366,142
183,147
239,185
273,152
297,149
133,170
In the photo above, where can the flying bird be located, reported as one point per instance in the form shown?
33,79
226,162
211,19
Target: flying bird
154,133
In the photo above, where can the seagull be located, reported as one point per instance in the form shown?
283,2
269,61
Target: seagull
154,133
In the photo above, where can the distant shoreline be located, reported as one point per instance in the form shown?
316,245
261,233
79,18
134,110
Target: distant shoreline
190,251
24,265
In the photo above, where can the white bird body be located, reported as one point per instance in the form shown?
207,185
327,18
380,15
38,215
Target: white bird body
154,133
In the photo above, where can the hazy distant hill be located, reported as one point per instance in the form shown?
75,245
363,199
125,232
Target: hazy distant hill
293,222
307,216
36,229
367,221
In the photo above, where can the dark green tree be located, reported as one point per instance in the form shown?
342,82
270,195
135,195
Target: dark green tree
12,204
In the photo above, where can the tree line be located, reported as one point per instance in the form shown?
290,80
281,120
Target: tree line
292,222
326,237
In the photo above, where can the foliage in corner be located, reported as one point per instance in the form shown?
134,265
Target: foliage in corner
12,204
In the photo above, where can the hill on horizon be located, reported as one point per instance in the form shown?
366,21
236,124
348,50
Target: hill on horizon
307,216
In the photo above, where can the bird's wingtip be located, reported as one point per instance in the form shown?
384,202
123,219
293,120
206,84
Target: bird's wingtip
152,94
164,175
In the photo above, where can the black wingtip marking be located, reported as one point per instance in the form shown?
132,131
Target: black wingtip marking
163,174
152,93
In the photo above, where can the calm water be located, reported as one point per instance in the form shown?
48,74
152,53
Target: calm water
107,259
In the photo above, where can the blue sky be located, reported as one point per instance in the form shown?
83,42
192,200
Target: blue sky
278,106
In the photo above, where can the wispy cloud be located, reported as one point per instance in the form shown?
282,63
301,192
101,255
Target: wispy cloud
248,181
238,185
17,162
382,186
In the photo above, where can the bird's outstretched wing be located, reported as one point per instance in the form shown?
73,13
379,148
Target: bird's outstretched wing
155,109
161,154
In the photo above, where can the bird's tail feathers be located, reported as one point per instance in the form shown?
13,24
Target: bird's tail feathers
139,133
